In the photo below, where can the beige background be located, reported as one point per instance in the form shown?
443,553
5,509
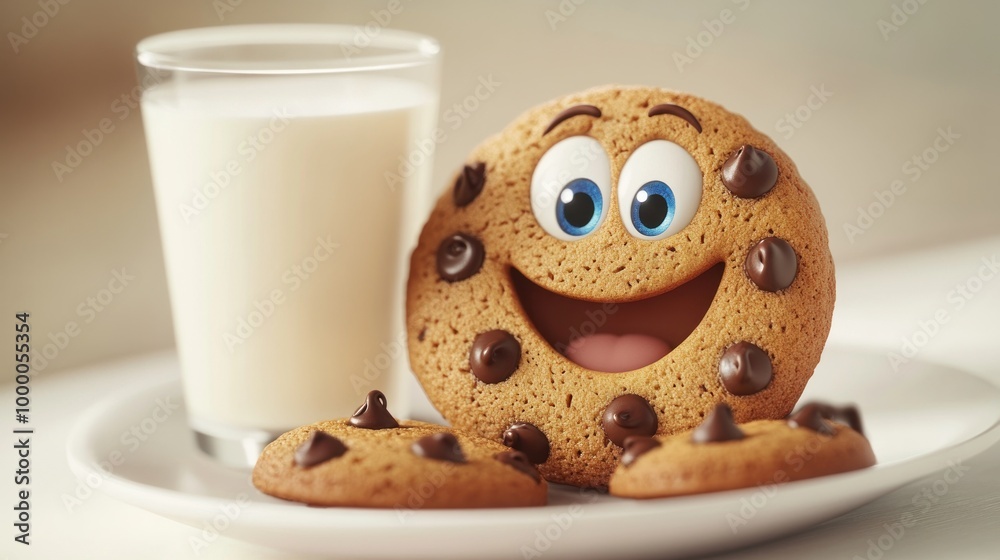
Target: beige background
60,241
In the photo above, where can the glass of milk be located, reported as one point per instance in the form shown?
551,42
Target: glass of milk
291,166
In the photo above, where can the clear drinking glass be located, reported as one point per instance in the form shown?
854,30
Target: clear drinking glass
282,163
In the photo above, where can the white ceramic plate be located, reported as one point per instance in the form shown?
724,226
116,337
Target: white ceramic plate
917,422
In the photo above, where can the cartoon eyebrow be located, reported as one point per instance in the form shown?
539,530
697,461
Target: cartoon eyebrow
574,111
677,111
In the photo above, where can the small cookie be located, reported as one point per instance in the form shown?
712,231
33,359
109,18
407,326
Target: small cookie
718,455
612,264
371,460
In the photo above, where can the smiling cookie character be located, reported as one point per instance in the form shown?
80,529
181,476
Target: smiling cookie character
615,263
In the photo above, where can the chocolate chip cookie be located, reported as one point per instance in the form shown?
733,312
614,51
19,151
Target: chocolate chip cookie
372,460
615,263
817,440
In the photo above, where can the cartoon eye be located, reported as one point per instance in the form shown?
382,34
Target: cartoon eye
659,190
570,188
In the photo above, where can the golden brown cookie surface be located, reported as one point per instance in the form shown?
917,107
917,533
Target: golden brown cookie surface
412,465
719,455
615,263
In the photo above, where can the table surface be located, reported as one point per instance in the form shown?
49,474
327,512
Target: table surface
880,303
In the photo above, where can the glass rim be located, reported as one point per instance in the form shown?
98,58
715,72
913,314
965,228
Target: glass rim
171,51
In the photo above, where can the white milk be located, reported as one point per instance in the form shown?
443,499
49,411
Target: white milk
282,240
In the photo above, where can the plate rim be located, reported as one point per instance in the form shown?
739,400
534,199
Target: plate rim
177,504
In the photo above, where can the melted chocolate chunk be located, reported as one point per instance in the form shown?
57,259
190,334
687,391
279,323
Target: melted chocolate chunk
636,446
459,256
520,462
744,369
718,426
810,416
469,184
529,440
373,414
628,415
318,448
494,356
847,415
771,264
441,447
749,172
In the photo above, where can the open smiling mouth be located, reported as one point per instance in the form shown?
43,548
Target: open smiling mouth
614,337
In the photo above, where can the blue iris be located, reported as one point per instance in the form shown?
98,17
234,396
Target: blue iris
579,207
653,208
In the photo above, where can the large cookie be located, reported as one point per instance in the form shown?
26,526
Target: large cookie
371,460
615,263
719,455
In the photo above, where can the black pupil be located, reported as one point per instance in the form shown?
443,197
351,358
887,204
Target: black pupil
580,210
653,211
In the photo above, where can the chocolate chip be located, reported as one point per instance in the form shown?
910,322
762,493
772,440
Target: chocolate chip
459,256
718,426
847,415
628,415
373,414
749,172
441,447
745,369
495,356
771,264
469,184
529,440
318,448
810,416
520,462
636,446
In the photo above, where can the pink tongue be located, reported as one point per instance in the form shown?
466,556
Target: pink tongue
614,353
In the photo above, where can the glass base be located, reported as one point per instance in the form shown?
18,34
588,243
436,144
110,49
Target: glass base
234,449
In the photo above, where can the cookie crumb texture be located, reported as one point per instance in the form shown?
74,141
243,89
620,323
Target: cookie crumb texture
771,452
615,272
380,469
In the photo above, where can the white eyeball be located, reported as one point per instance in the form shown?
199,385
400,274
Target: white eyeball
659,190
570,188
